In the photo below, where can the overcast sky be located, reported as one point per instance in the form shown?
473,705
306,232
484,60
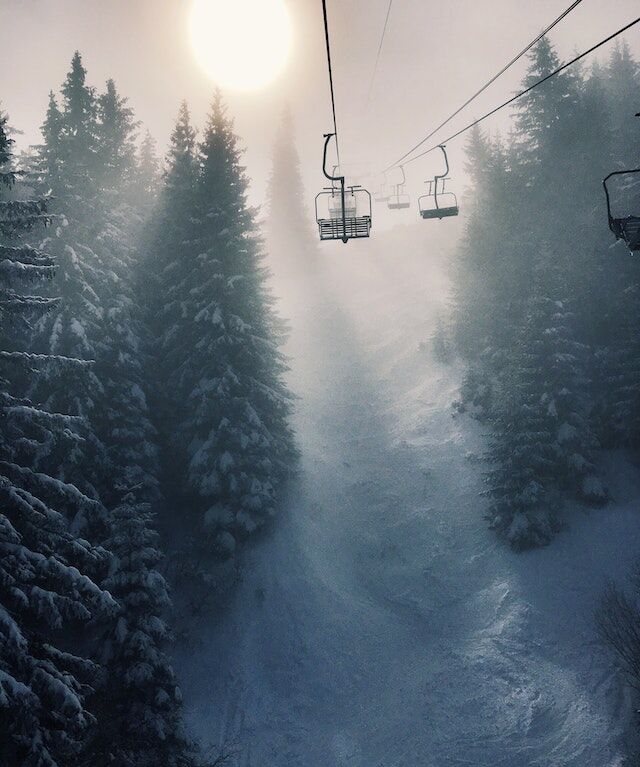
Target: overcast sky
435,55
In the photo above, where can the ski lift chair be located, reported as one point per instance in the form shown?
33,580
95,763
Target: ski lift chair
342,212
383,192
437,202
626,228
399,200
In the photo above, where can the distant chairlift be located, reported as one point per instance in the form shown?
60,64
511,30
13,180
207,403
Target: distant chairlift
383,192
399,200
625,228
437,202
342,212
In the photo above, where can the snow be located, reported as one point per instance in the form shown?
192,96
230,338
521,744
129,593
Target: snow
382,623
593,488
566,433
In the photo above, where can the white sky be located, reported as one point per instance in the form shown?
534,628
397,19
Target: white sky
436,54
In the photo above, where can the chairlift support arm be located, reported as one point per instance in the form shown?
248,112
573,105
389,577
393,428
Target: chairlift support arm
442,176
333,178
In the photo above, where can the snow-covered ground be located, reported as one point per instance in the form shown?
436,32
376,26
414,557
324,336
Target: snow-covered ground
381,624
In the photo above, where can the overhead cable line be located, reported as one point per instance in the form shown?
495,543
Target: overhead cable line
375,66
333,98
507,66
525,91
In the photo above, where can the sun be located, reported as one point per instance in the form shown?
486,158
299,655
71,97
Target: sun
241,44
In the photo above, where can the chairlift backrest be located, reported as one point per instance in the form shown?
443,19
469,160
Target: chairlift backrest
350,205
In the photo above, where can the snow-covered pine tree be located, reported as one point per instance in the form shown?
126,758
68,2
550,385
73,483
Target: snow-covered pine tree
124,425
618,296
619,368
227,405
167,245
115,133
144,728
146,185
487,278
528,267
65,164
543,444
139,705
239,441
522,503
45,586
623,91
565,391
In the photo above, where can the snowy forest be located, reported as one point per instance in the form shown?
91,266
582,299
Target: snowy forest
265,501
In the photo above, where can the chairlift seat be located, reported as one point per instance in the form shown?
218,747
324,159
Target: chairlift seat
452,210
354,227
399,202
354,223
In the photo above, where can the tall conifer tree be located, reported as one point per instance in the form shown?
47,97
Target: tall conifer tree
46,586
226,399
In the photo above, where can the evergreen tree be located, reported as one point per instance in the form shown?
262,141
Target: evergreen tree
50,152
78,134
488,284
227,403
147,177
545,371
115,133
45,588
169,255
65,164
139,705
240,446
91,145
617,291
523,507
623,91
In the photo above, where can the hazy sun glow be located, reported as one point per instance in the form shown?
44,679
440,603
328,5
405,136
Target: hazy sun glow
241,44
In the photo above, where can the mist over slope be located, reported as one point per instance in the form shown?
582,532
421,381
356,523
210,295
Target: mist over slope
381,622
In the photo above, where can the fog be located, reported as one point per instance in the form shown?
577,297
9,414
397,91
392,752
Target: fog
434,57
387,507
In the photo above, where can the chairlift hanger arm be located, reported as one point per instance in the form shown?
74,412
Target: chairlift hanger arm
442,176
327,139
446,162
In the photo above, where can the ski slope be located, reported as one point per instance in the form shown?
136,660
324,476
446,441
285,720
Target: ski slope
381,624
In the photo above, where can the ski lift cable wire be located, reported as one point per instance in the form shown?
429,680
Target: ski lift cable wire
375,66
333,99
490,82
527,90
